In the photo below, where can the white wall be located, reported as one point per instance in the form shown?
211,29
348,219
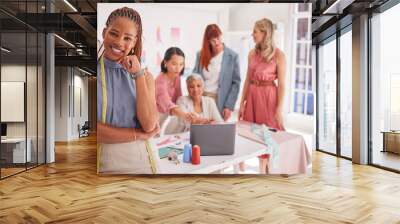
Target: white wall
34,124
79,117
69,85
244,15
14,73
61,103
12,101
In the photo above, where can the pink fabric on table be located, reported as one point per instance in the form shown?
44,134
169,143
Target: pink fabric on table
167,94
294,157
293,154
262,101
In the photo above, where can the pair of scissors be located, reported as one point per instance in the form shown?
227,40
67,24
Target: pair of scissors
172,156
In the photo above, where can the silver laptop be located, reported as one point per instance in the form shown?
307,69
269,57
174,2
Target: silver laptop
214,139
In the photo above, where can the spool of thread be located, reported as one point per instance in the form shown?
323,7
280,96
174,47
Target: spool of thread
196,155
187,153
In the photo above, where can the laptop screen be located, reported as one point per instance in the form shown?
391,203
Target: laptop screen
214,139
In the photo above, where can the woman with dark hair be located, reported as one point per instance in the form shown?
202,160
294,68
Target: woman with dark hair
168,85
126,104
219,67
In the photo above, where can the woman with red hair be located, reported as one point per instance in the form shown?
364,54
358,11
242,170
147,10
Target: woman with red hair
219,67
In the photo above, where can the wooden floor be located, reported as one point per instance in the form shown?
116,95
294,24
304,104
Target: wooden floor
69,191
10,171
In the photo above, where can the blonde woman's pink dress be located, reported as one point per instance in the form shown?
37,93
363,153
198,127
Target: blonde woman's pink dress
262,95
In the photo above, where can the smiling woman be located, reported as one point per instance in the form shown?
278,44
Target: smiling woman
119,39
121,85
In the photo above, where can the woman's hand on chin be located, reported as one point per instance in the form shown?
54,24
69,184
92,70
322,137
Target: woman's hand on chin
130,63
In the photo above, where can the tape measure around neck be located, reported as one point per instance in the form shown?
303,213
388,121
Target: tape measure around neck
103,119
103,90
104,106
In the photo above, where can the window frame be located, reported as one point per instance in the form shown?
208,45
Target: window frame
308,66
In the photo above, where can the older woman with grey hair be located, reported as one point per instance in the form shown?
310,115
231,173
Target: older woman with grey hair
203,107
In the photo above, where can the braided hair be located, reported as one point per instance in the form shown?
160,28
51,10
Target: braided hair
134,16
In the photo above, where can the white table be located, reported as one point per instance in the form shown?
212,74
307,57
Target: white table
244,149
18,149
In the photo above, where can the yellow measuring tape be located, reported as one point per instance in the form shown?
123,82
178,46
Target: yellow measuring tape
104,105
103,120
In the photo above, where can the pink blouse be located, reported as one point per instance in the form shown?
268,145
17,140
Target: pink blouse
166,93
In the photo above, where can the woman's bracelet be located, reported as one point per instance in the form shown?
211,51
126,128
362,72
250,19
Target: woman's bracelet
139,73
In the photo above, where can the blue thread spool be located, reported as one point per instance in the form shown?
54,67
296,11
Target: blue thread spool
187,153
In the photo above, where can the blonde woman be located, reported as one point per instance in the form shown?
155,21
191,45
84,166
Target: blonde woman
262,99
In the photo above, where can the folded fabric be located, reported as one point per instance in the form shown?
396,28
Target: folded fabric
163,152
264,134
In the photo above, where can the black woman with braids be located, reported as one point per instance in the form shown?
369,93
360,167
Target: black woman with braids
126,104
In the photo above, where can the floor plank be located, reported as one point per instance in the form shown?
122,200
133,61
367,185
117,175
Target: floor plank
70,191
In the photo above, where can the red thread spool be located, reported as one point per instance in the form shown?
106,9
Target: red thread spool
196,155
